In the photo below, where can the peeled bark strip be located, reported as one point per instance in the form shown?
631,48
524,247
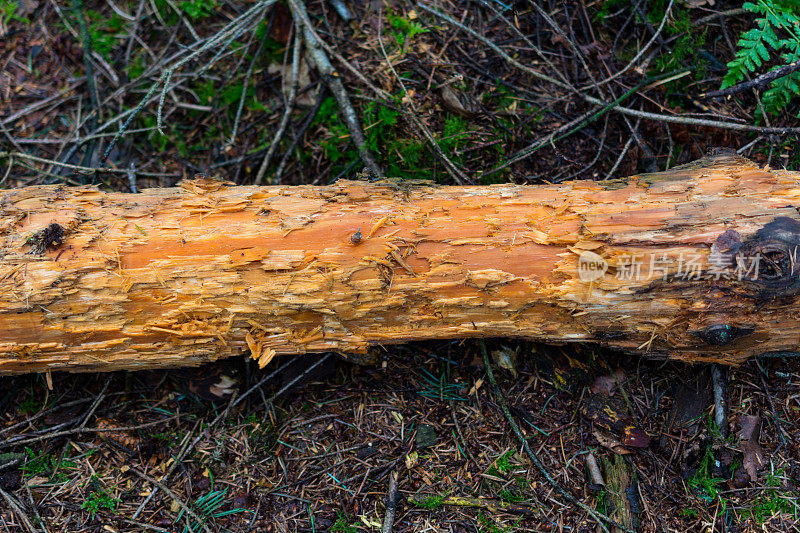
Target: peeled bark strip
93,280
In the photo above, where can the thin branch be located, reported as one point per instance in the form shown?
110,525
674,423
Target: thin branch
231,31
245,85
456,173
533,72
287,111
77,168
391,504
334,83
635,59
755,83
174,497
14,505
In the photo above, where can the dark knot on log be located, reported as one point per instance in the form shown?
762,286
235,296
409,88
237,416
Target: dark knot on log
769,259
723,334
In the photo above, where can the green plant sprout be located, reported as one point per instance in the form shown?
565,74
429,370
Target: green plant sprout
342,524
207,508
8,12
99,499
406,28
439,388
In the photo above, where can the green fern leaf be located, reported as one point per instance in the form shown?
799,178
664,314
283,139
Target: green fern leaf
777,29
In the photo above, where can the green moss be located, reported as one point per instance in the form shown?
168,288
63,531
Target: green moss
430,503
106,31
487,525
198,9
47,465
503,464
135,66
405,28
771,501
343,524
686,50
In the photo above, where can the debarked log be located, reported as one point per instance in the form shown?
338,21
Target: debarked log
698,263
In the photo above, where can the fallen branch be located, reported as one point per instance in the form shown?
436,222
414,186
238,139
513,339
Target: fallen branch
756,83
319,58
697,263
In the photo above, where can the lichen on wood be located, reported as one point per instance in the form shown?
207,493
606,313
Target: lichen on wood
180,276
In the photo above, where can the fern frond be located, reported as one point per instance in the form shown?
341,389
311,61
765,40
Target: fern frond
776,31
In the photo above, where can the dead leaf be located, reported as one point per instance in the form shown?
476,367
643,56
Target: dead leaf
226,386
753,455
608,441
605,384
752,459
635,437
26,7
476,387
749,427
306,99
370,521
451,102
411,460
506,358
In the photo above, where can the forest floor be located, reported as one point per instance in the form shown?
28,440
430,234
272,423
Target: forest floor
456,92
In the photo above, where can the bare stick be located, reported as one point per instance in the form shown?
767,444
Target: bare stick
234,402
13,504
292,82
596,101
755,83
231,31
244,89
533,72
720,413
77,168
334,83
600,517
635,59
391,504
175,498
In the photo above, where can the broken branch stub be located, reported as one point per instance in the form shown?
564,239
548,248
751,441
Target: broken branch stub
699,263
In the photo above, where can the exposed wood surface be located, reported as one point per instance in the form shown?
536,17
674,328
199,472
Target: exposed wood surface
180,276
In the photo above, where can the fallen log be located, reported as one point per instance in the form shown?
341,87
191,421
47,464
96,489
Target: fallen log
698,263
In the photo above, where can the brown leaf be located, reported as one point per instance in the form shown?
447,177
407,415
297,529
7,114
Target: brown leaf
635,437
608,441
26,7
753,459
451,102
605,384
749,427
753,455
